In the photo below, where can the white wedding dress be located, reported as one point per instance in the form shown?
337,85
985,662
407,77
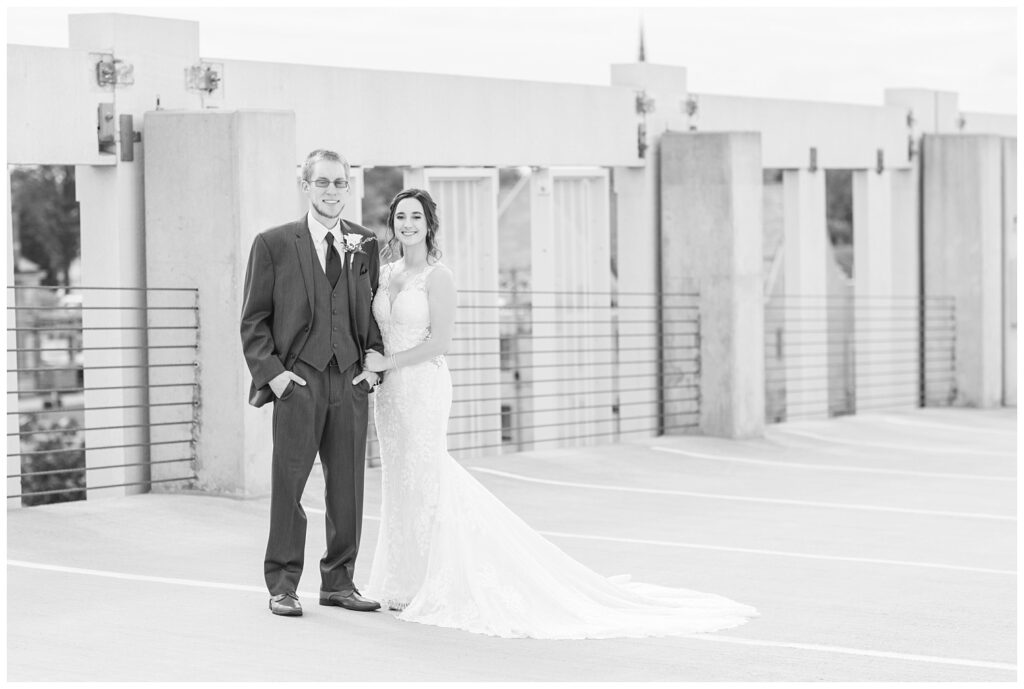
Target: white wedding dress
451,554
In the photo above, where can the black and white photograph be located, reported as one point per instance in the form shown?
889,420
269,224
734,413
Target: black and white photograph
494,343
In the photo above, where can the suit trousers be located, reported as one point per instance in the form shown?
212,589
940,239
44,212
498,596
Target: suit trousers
328,416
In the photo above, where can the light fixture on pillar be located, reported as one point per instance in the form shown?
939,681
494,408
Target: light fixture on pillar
644,105
204,77
812,164
691,107
879,161
961,122
911,140
113,72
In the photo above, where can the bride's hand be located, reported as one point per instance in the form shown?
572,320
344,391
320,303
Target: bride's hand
375,361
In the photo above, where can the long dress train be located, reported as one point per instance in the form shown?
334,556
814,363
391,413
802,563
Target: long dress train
451,554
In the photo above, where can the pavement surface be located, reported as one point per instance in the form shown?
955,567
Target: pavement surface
879,547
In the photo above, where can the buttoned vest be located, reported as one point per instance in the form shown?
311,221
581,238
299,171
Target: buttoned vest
331,332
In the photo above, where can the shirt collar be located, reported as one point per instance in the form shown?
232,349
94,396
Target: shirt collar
318,230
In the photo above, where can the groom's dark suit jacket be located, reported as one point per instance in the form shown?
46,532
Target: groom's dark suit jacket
278,304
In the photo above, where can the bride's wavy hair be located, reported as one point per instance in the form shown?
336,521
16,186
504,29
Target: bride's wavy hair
392,247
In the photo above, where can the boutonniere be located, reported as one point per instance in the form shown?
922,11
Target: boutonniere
354,242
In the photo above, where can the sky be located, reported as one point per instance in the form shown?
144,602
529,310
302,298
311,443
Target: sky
822,53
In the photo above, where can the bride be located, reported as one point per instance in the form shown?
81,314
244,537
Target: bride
449,553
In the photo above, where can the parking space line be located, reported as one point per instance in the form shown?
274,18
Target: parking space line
754,551
741,498
832,467
938,660
782,553
896,446
108,574
703,637
981,432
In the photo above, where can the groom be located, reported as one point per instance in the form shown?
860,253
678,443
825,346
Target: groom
306,324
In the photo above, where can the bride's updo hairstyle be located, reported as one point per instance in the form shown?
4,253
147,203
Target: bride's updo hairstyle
393,246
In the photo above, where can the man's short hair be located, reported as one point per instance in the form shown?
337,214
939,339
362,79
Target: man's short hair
322,154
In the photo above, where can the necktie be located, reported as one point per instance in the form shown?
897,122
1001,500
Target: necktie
333,268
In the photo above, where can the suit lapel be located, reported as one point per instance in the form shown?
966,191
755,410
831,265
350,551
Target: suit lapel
304,246
351,274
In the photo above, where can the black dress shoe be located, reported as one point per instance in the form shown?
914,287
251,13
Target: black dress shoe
286,604
350,601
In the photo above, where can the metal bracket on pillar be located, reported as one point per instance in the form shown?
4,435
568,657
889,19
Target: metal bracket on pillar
105,135
129,137
879,161
812,164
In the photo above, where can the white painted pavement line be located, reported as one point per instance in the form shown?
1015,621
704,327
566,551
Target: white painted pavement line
754,551
782,553
830,467
945,426
896,446
740,498
142,577
704,637
938,660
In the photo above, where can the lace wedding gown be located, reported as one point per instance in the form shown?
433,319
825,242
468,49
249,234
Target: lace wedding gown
451,554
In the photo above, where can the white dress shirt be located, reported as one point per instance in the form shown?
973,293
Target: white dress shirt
319,232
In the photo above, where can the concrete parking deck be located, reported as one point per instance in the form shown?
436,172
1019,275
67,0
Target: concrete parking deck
876,547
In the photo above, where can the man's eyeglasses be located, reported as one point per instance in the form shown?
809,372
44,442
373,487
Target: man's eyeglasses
323,183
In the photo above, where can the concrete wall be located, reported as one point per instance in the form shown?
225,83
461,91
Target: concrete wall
399,118
845,135
711,233
963,254
215,179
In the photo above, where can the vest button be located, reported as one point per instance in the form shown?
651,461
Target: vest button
307,328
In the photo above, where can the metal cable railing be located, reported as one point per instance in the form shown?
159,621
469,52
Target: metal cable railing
102,390
536,370
838,354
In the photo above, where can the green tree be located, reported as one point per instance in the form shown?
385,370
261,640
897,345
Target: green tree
45,214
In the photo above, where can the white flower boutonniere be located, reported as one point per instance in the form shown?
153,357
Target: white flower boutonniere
354,242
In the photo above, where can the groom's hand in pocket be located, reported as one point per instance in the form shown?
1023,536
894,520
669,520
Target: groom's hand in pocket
279,383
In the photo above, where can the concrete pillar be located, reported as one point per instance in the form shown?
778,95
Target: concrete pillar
803,309
572,365
214,180
113,244
905,245
638,284
711,232
963,255
885,326
113,329
1010,272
